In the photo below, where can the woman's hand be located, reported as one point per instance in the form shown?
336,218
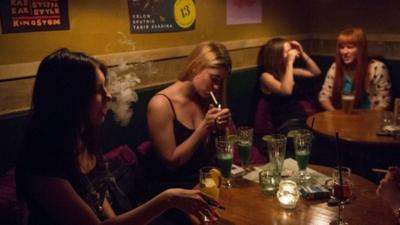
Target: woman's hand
193,202
292,55
296,45
389,187
221,117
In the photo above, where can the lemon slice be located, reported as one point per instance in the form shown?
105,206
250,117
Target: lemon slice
267,138
216,176
232,139
292,133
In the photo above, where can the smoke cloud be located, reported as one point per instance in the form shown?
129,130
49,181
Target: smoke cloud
122,82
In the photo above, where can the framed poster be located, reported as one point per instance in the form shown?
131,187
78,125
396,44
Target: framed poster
155,16
34,15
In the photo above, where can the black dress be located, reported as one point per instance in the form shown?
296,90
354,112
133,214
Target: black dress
186,176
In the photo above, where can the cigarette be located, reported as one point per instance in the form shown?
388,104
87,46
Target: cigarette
379,170
215,204
214,99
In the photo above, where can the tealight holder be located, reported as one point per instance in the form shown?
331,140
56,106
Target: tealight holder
288,194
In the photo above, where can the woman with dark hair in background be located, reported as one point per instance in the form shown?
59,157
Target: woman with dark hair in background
60,170
277,81
354,72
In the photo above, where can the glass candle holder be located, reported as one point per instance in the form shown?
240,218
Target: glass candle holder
288,194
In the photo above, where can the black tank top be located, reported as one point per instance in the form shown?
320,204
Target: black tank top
186,176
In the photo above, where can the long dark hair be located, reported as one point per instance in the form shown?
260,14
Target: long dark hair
270,58
59,126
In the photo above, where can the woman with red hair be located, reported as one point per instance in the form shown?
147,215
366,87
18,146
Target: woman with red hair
353,72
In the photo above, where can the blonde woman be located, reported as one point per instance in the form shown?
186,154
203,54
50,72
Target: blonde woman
181,119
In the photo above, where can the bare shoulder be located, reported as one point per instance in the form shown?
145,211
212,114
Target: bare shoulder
267,76
159,108
158,102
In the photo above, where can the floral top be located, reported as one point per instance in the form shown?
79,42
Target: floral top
378,89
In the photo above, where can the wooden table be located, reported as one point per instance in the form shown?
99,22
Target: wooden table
246,205
359,127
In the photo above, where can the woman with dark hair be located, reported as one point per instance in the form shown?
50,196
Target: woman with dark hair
60,170
277,80
354,72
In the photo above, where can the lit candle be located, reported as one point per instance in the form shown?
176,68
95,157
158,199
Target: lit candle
288,194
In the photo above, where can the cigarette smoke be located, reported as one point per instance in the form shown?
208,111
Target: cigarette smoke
122,81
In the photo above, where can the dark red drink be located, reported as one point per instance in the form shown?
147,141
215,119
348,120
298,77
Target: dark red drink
344,194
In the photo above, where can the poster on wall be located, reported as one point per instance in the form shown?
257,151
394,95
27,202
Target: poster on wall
243,11
155,16
34,15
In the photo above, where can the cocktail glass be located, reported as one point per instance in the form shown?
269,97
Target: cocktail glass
341,191
210,181
244,144
224,150
276,145
302,147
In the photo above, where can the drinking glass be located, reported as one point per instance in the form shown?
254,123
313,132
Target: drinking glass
387,119
224,150
302,148
269,180
348,102
341,191
245,142
210,181
276,145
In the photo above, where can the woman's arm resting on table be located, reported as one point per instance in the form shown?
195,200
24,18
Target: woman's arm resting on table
66,207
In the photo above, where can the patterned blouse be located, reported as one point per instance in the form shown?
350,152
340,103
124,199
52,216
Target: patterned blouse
378,89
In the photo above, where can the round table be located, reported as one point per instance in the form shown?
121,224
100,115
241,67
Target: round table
246,204
360,126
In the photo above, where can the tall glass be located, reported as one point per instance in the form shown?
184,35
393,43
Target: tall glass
341,191
348,102
276,145
302,148
224,160
245,142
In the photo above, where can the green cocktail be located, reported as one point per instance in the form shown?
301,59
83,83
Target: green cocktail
224,162
302,148
302,158
244,153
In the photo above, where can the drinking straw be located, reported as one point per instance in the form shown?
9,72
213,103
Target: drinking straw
219,107
214,99
379,170
339,164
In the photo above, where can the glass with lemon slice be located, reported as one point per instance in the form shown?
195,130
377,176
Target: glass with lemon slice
210,181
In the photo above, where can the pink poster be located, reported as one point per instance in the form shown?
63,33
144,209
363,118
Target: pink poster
243,11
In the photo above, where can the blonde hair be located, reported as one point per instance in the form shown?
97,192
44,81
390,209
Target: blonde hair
207,54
